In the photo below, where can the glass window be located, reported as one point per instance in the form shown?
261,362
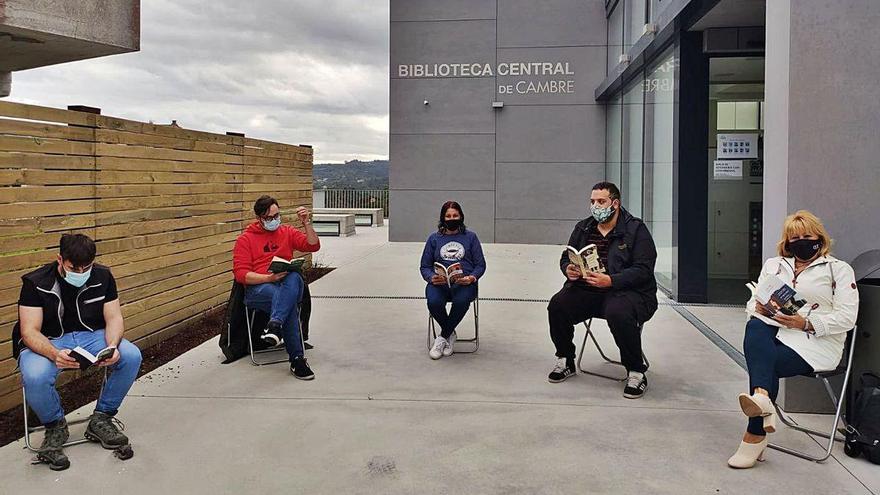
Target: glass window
631,147
726,115
635,22
612,140
615,36
746,115
660,91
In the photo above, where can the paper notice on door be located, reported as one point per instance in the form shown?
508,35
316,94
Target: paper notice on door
728,170
737,146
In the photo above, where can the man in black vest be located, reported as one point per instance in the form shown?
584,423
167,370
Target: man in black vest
69,303
625,296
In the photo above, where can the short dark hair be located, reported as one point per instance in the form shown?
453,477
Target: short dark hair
262,205
613,191
79,249
455,206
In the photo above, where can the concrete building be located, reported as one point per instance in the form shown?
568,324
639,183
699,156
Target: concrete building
716,117
36,34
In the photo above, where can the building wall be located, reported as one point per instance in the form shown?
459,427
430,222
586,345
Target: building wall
822,119
522,172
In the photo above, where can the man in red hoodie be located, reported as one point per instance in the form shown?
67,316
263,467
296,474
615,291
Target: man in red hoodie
277,294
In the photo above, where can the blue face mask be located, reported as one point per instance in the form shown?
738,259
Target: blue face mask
272,225
602,215
77,279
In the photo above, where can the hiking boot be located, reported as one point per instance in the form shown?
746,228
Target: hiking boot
300,369
636,383
562,370
107,430
272,333
447,351
50,452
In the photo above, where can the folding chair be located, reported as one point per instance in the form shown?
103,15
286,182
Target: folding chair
250,316
475,341
32,429
587,324
837,400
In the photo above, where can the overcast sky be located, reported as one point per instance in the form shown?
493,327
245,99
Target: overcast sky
305,71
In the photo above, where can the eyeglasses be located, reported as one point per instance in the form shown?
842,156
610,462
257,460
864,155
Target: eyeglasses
270,218
81,269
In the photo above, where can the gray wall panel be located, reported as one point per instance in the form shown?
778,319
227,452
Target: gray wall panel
456,105
535,232
431,161
421,10
840,148
551,23
551,134
415,214
442,42
550,191
587,63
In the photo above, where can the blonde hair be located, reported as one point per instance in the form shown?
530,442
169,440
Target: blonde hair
802,222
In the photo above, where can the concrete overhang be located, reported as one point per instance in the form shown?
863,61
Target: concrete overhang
36,34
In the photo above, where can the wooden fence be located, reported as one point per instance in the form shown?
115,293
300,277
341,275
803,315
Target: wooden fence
164,205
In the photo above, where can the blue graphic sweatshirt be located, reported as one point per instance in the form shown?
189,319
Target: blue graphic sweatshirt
447,249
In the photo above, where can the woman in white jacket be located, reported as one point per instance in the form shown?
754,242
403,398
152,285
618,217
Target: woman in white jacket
811,340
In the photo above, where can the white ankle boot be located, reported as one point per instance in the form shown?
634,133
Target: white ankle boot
748,454
759,405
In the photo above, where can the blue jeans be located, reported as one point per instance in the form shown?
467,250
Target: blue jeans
461,297
38,375
280,300
768,360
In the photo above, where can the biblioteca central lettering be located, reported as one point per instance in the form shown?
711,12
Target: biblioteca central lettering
483,70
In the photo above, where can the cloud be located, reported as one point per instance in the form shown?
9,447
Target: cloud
309,71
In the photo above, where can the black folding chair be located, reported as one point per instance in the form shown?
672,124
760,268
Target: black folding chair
589,335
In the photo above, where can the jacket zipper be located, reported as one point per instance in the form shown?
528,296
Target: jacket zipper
78,314
795,274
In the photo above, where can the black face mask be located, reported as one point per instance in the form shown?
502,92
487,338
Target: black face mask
804,249
452,224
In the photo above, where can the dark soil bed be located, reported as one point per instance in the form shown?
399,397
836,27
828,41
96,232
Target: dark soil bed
79,392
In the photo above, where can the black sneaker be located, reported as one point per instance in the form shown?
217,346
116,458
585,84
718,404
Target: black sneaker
106,430
308,346
564,368
51,451
272,334
300,369
636,384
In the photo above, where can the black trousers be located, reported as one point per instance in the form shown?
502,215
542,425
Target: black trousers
576,303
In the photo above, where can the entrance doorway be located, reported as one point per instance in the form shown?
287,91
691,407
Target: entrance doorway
736,169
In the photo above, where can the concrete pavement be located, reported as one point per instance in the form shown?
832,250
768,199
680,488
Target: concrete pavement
381,417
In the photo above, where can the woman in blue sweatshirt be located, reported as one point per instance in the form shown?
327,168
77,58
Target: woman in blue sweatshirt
452,243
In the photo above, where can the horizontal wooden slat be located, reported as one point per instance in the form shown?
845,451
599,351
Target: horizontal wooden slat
34,112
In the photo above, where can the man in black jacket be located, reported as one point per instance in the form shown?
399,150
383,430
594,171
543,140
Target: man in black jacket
67,304
625,296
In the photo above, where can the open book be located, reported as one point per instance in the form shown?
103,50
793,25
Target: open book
776,296
586,259
279,265
86,358
452,272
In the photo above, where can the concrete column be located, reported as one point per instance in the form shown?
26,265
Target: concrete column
821,146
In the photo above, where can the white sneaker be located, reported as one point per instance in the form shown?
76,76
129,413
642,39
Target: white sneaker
436,351
447,351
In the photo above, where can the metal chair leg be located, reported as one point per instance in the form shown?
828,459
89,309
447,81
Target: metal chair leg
250,315
589,334
832,436
475,341
33,429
